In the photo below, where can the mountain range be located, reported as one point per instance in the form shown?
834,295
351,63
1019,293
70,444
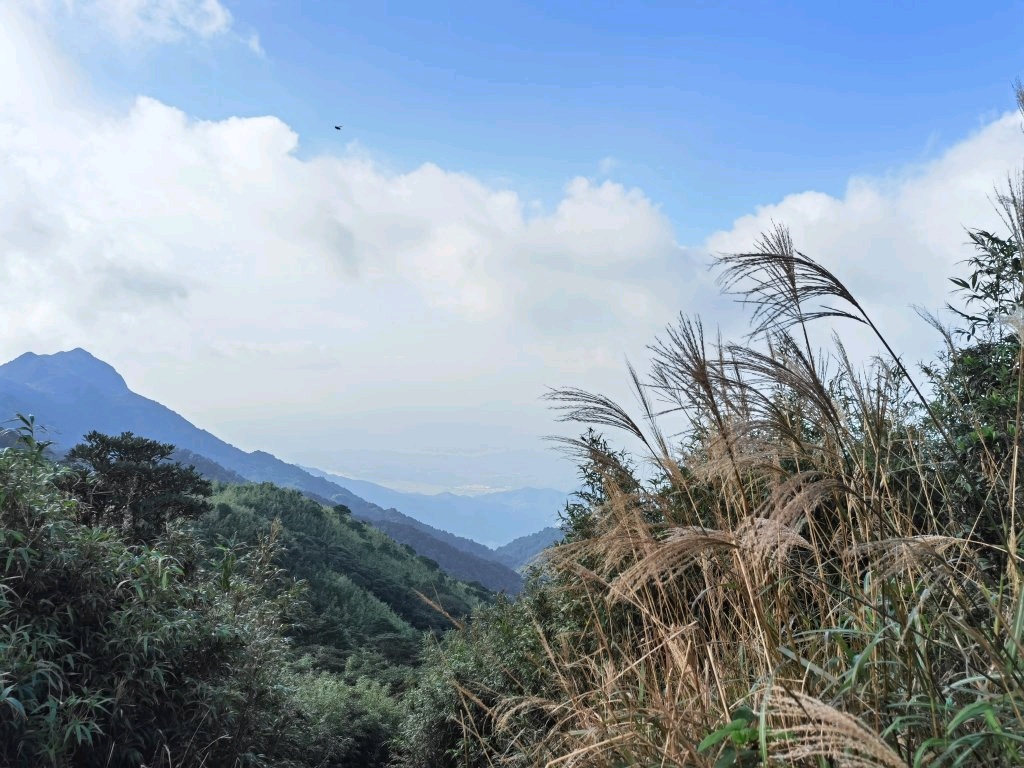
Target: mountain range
72,393
493,519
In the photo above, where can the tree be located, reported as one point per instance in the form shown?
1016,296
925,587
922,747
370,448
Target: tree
131,482
997,283
116,656
977,387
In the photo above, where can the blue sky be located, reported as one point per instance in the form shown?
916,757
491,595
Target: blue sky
523,196
711,107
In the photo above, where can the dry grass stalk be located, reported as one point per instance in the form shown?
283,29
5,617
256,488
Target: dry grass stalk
801,543
810,729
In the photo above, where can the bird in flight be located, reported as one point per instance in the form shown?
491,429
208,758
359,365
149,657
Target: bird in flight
338,127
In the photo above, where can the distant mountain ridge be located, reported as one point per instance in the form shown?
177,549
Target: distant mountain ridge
521,552
73,393
493,519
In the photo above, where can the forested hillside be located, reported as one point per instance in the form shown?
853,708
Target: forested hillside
519,553
149,618
73,393
363,587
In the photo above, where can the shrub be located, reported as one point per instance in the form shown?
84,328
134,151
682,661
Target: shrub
117,654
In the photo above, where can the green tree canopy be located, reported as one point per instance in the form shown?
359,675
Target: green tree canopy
977,385
131,482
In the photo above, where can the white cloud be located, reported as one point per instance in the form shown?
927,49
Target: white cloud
895,241
252,42
160,20
134,23
226,276
305,306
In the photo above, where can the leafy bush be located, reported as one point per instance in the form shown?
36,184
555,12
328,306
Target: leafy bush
116,654
448,715
172,653
351,723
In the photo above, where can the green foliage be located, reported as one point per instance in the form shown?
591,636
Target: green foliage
364,589
977,394
996,283
113,654
977,397
175,652
130,482
24,436
352,723
498,656
600,466
737,742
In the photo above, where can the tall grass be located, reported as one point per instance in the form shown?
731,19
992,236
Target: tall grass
799,585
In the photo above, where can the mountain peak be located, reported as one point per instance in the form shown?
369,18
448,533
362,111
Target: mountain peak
73,393
56,371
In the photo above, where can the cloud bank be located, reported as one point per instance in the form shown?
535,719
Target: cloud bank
310,306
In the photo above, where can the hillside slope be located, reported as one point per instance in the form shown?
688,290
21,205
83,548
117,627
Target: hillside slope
73,393
362,585
520,553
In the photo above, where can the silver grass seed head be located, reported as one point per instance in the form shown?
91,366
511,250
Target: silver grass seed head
1015,322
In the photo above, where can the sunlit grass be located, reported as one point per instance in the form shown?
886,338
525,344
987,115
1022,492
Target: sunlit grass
803,582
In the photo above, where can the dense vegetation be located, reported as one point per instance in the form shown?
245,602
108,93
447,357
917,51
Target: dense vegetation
826,570
149,618
363,588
